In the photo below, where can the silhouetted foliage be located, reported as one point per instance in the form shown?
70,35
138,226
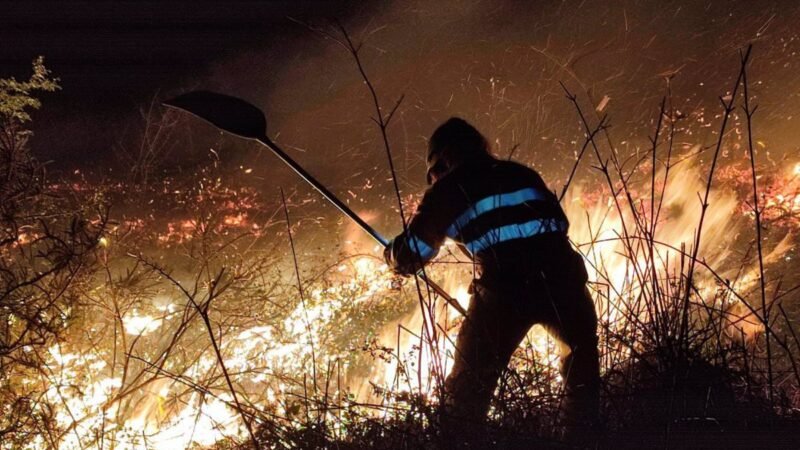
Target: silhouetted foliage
47,237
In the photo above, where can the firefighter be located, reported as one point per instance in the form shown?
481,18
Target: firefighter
503,216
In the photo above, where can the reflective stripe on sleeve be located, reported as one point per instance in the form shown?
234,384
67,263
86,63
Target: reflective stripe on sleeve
421,248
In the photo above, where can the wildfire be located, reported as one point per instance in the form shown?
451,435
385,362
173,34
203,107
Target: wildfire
267,357
779,193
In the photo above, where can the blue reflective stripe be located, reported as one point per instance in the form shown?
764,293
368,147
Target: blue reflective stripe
421,248
492,202
515,231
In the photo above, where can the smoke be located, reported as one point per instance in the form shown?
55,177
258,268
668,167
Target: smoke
499,64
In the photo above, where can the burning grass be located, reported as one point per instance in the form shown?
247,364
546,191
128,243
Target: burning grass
194,328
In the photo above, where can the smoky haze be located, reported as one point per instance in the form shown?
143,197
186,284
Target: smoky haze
498,65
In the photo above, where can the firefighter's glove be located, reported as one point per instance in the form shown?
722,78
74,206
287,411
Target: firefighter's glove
388,257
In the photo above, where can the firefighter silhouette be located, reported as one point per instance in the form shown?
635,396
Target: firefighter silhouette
503,216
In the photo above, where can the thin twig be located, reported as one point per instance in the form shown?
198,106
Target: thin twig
749,112
202,309
727,110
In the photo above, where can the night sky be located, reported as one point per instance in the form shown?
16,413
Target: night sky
113,56
497,64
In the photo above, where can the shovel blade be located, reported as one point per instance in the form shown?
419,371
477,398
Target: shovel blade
225,112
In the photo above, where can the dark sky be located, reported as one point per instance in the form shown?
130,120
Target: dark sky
497,63
112,56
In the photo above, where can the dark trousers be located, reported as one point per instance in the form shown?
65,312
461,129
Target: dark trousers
498,318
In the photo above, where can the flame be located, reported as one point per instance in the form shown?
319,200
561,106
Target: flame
140,325
597,231
268,356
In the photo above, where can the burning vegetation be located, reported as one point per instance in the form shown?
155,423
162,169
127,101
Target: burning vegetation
178,311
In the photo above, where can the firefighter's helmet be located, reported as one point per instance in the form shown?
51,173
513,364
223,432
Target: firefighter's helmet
451,145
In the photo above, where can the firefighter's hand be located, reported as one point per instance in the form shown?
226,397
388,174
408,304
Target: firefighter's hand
396,269
387,255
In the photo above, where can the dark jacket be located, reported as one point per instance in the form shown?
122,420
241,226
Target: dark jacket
499,212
